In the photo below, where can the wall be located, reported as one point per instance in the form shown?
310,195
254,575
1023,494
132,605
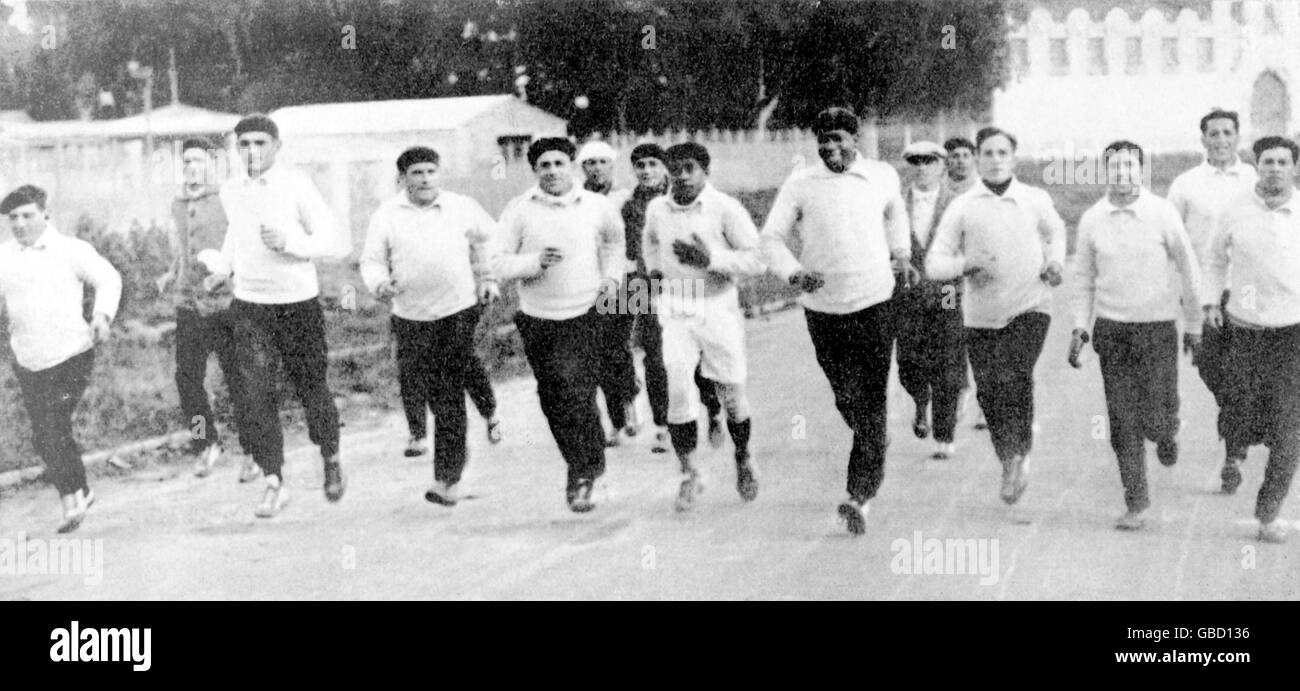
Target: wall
1158,107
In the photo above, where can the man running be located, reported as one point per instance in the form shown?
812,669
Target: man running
1006,239
652,182
426,251
1131,259
931,344
1256,250
564,245
279,223
203,320
851,219
698,243
43,276
617,377
1200,195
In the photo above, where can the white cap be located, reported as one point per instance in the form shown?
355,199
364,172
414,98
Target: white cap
924,148
596,149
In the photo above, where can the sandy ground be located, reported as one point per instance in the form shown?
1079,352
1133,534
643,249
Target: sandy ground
167,535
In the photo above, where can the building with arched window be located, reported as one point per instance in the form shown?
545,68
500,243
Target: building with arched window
1086,72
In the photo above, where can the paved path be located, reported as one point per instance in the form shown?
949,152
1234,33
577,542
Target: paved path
167,535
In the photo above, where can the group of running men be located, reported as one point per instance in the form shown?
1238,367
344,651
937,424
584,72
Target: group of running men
950,269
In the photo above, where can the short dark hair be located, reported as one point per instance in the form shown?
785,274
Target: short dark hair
1122,145
257,122
1220,114
22,196
1265,143
197,143
958,143
688,150
990,132
835,118
541,146
648,150
414,155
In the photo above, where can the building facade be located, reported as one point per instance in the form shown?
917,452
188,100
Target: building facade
1095,74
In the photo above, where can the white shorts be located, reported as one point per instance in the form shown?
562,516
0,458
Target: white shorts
709,332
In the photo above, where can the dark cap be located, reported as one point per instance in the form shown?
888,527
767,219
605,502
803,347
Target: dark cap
257,122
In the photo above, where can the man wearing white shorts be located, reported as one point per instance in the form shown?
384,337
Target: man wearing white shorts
698,242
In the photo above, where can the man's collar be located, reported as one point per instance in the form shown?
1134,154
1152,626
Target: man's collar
924,194
859,168
1236,168
267,177
697,202
404,199
1110,207
568,198
187,195
1014,190
1290,206
42,242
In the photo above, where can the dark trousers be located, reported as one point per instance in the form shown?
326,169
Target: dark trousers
1211,364
197,337
617,370
1139,368
434,361
292,334
479,387
1261,403
51,396
1002,361
651,334
562,354
854,351
932,361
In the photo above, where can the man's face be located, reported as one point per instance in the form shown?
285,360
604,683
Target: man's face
28,223
599,171
837,149
257,151
196,166
1123,169
688,178
926,170
1277,170
554,171
1220,139
650,172
961,163
997,159
420,183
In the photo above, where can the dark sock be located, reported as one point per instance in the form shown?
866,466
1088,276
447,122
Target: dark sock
740,436
684,436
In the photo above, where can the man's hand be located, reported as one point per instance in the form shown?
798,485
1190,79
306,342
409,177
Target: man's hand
693,253
99,327
551,256
387,290
163,281
1051,274
1214,316
488,292
909,275
807,281
978,275
608,289
273,238
1078,338
213,283
1192,345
